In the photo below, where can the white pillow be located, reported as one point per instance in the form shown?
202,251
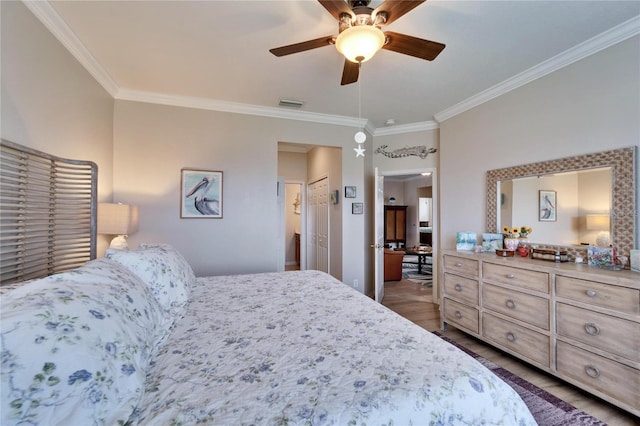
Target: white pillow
77,346
147,312
163,269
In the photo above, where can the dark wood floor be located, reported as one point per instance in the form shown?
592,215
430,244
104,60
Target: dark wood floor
415,302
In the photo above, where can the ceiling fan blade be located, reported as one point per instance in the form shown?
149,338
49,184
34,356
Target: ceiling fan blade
412,46
301,47
336,7
395,9
350,72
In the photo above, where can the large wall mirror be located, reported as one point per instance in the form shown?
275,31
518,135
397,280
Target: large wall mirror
592,197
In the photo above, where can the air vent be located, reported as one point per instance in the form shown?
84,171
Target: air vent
292,103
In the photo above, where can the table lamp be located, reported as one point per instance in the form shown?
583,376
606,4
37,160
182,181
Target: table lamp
602,223
117,219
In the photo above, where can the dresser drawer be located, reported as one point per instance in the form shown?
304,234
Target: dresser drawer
532,280
461,315
525,307
461,265
614,335
461,288
621,299
528,343
607,376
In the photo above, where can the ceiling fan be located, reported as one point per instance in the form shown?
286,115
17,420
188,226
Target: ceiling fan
360,36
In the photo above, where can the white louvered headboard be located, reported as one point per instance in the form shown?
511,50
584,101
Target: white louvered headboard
48,211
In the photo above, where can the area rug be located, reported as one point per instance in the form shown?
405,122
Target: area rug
410,272
547,409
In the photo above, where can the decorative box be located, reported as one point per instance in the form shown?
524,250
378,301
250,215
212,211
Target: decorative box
491,242
466,241
600,256
505,253
552,255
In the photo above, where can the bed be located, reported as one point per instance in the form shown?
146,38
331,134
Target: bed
135,338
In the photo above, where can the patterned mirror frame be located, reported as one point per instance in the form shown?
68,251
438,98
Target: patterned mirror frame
623,191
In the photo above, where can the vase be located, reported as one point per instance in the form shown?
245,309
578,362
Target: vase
511,243
523,251
523,241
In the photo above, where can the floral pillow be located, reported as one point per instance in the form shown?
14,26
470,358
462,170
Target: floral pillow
76,347
147,312
163,269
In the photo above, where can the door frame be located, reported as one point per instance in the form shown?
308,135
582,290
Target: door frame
435,219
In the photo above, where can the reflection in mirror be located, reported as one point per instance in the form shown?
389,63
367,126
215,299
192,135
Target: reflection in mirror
623,212
581,211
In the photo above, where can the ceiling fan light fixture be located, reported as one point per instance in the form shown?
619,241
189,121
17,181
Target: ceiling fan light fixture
360,43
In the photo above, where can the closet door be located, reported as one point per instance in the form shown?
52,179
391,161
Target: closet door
318,226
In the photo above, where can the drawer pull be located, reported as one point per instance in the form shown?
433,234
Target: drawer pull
511,337
510,276
458,287
592,293
592,371
458,314
592,329
458,265
511,304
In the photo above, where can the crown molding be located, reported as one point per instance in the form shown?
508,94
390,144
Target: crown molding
60,30
406,128
595,44
236,107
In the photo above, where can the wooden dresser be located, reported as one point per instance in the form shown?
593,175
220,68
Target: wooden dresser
577,322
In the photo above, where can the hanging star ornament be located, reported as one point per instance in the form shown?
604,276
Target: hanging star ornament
359,151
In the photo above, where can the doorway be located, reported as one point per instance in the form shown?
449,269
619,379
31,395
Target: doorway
408,187
307,166
293,234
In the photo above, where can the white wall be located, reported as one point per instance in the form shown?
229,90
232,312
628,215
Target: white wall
49,101
589,106
395,189
153,142
428,138
564,230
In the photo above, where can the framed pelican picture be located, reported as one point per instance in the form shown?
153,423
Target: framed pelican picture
201,194
547,206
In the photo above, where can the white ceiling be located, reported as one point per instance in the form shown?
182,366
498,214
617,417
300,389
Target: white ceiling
215,54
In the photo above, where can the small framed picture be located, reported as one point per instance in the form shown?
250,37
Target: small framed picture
201,194
547,206
357,208
349,192
335,196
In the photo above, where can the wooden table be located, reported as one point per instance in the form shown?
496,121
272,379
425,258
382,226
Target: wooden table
422,257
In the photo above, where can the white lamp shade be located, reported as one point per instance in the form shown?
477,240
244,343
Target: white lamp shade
117,219
598,222
360,41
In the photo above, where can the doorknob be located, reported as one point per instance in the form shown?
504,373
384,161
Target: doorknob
376,246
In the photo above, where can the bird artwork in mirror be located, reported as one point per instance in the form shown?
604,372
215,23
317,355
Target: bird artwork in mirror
201,194
562,194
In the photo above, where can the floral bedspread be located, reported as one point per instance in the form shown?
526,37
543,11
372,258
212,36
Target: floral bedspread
303,348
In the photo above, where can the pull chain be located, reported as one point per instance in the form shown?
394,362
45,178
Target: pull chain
360,136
